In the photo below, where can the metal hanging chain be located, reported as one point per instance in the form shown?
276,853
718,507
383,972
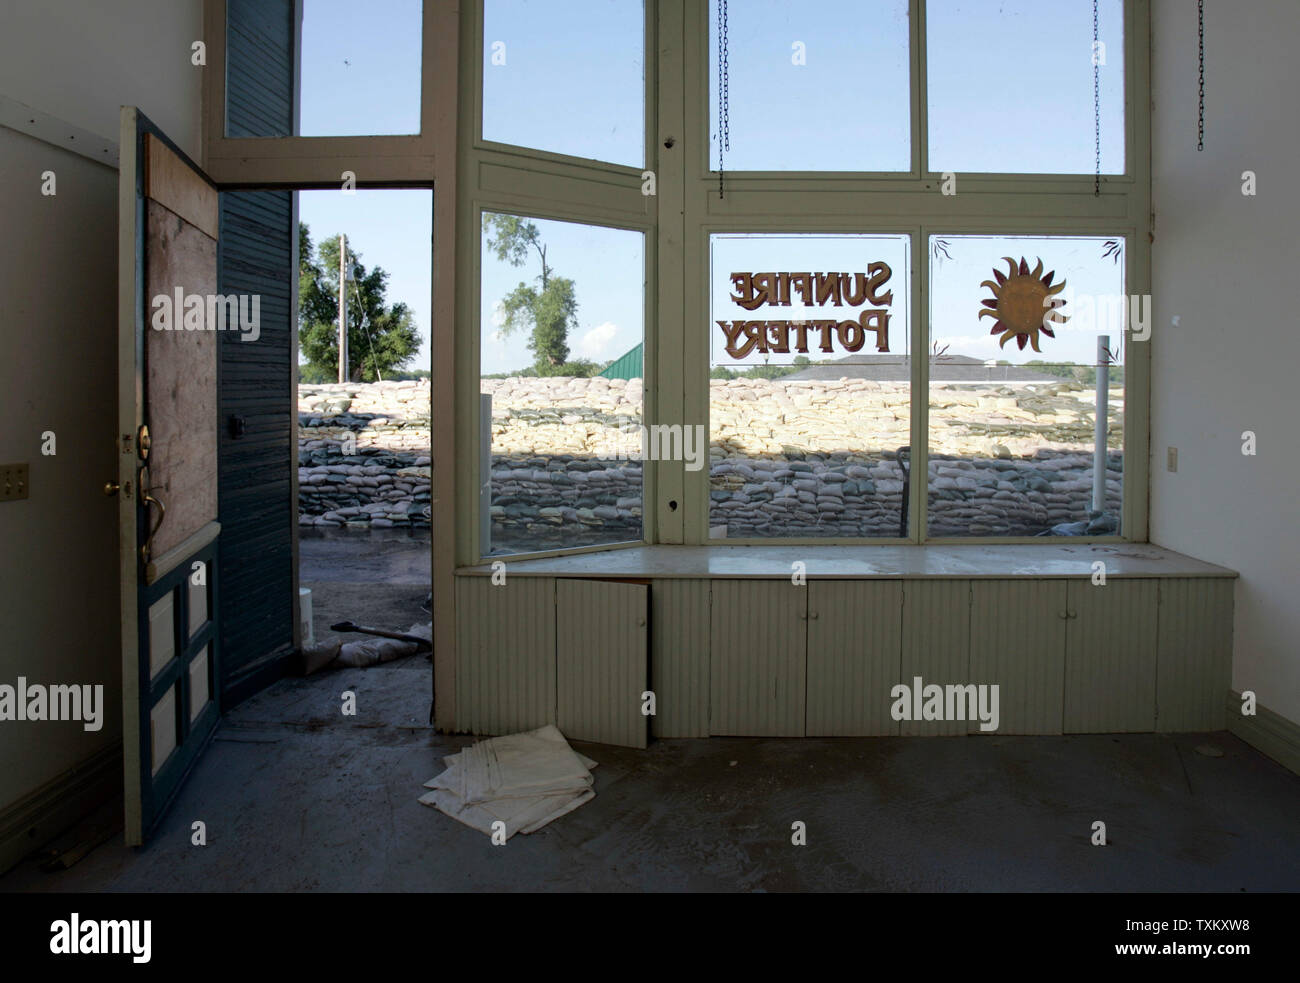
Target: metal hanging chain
1200,38
1096,106
724,93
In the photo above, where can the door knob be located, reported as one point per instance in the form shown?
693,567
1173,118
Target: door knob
111,488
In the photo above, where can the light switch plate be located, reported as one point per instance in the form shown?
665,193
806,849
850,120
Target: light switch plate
13,482
1171,459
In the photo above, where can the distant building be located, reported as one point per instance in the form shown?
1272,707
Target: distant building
626,366
955,369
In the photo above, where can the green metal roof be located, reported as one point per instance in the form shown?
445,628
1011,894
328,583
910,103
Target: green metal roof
626,366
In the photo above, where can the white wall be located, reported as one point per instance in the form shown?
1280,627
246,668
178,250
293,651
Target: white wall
1227,267
78,60
82,60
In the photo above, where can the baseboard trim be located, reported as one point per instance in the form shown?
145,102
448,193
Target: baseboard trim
59,804
1267,732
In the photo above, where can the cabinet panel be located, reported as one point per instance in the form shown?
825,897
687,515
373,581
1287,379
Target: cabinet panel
505,654
936,643
1194,654
1018,643
855,638
601,637
758,663
1110,657
679,657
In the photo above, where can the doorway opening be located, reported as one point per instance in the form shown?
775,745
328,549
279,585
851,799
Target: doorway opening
363,436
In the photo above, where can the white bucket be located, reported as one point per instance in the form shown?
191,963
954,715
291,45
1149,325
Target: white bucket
305,629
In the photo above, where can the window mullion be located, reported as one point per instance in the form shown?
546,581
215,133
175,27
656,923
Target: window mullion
920,108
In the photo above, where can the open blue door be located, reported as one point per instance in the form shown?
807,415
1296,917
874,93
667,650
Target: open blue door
169,313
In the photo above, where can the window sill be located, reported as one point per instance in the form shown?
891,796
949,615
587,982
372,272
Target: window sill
964,562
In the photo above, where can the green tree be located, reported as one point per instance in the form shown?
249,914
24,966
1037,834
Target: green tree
381,338
549,309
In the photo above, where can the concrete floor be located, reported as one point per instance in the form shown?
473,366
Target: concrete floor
297,797
380,556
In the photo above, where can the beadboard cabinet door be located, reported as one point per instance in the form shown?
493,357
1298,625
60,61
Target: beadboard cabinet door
855,643
505,654
1018,644
601,648
936,644
1110,657
758,650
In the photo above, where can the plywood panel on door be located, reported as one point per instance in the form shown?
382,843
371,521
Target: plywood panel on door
601,650
1018,644
181,375
1110,657
758,660
854,656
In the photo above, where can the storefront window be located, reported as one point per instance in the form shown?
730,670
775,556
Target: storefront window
561,386
1027,343
809,390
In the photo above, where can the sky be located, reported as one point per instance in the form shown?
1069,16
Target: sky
813,84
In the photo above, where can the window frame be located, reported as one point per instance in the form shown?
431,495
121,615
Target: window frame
378,160
541,184
686,211
428,160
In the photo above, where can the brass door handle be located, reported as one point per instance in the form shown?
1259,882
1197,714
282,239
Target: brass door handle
147,497
111,488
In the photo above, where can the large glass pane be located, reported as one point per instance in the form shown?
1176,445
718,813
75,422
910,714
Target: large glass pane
819,85
566,77
1015,390
810,393
1011,86
561,362
360,68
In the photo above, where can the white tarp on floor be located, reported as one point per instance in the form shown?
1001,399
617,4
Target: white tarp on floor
522,780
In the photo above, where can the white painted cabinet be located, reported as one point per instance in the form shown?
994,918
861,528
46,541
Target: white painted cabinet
767,658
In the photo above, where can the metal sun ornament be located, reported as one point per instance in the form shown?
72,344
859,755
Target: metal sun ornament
1023,303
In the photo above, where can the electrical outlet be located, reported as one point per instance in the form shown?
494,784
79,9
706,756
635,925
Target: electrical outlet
1171,459
13,482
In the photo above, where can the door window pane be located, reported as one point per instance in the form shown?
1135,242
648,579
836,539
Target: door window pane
819,85
561,362
163,736
810,391
1014,390
566,77
1011,86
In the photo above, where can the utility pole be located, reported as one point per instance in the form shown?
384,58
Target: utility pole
343,308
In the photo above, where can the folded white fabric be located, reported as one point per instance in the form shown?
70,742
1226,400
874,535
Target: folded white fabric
522,781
